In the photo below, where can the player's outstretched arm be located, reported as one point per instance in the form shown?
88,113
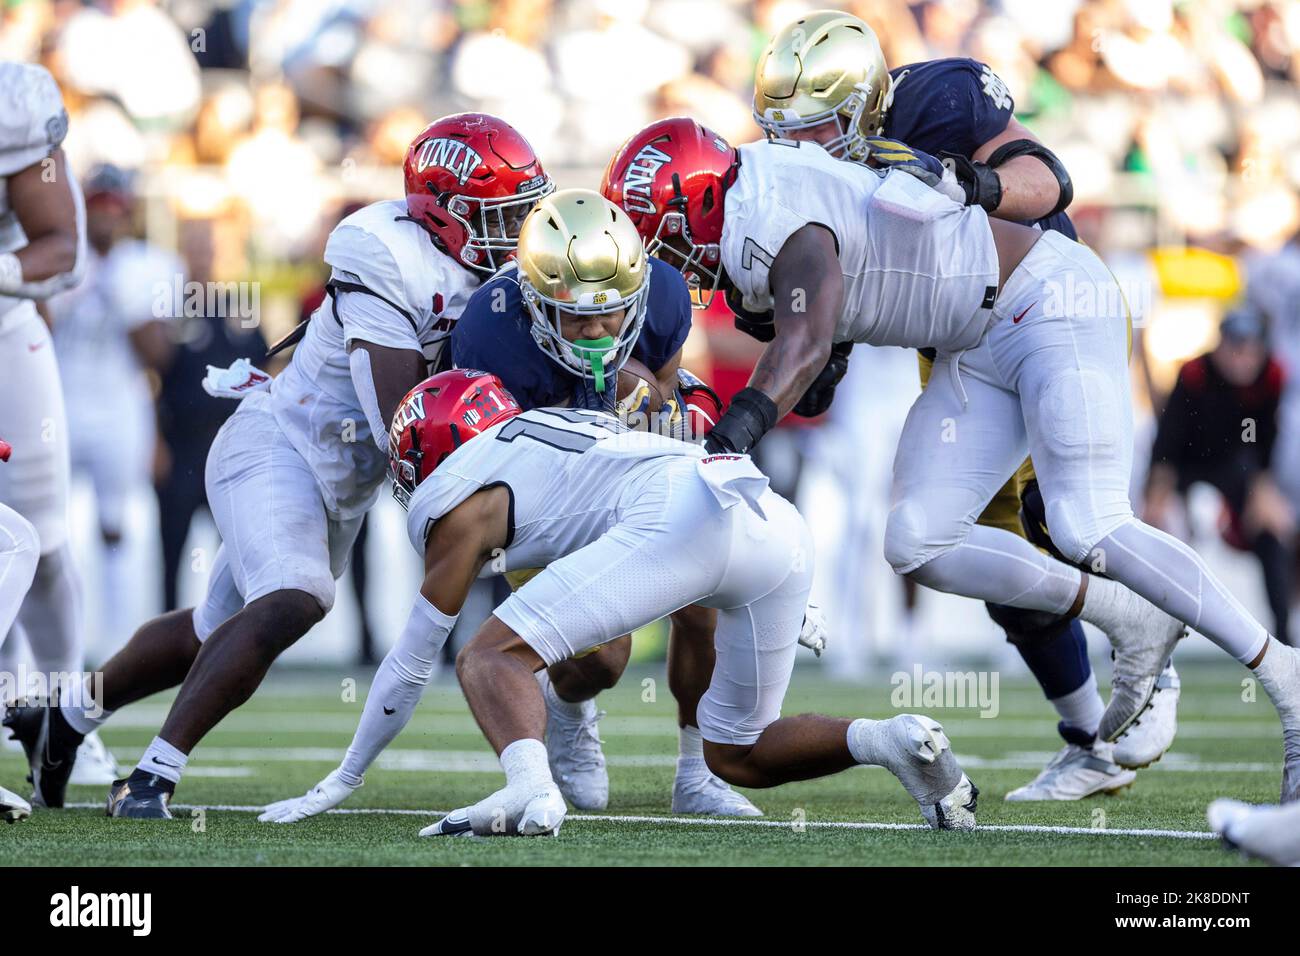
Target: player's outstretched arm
45,201
808,295
455,550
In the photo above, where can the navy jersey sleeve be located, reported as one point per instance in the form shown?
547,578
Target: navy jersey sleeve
668,317
956,104
493,334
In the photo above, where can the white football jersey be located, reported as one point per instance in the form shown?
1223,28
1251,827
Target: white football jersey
569,472
390,286
919,269
32,123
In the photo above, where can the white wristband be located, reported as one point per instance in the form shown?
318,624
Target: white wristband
11,273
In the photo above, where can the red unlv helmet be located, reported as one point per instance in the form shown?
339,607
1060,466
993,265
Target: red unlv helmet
437,417
670,178
470,180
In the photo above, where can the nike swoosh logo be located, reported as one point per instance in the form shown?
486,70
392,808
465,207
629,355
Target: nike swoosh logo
1016,320
389,711
36,347
163,763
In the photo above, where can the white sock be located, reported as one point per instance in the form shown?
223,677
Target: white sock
524,762
398,686
164,760
1109,605
77,712
690,745
1280,677
1082,707
863,742
557,704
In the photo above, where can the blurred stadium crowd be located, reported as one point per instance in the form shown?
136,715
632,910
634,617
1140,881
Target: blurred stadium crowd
249,127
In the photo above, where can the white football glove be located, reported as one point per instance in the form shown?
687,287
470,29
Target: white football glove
235,382
326,795
814,633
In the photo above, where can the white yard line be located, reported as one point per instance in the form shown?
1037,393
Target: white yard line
732,821
418,760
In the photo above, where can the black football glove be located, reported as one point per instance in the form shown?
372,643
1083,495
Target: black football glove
758,325
821,392
750,416
980,181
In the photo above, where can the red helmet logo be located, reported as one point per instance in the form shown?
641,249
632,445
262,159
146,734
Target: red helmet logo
437,417
470,180
671,178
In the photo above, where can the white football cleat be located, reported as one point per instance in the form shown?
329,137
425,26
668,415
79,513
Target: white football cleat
574,754
94,766
13,807
921,758
1152,732
1073,774
511,811
326,795
697,790
1143,646
1268,833
543,815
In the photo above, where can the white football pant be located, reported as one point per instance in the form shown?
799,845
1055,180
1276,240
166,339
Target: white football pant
1051,379
680,543
275,531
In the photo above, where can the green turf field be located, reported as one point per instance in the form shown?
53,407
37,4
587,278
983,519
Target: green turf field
296,728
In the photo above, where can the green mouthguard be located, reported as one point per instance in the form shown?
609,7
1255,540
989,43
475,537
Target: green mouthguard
593,352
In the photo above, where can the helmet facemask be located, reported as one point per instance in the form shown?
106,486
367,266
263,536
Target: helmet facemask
699,263
404,472
594,360
859,115
492,225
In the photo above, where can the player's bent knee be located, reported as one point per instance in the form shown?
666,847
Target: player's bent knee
905,532
286,614
730,763
1077,532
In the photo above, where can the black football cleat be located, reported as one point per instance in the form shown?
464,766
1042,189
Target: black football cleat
51,748
141,796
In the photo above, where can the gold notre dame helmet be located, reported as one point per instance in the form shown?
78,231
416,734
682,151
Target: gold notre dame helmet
579,254
824,65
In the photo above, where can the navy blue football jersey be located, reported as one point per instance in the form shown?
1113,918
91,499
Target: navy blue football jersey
955,104
494,334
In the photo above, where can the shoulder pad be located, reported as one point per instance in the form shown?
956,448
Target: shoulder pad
32,118
381,250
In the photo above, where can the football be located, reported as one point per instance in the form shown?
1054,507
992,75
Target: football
639,397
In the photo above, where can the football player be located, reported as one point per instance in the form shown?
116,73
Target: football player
293,471
627,526
20,550
556,325
106,334
843,253
42,252
823,77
